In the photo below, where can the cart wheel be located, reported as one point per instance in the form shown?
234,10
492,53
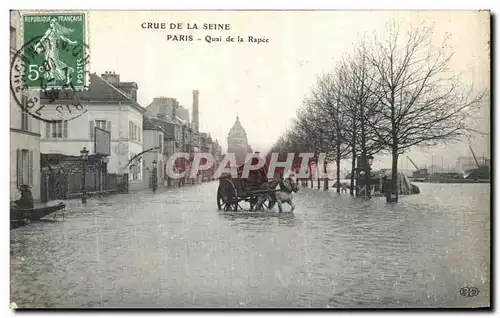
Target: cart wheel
227,196
253,201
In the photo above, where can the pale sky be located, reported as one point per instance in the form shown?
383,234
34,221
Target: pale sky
265,83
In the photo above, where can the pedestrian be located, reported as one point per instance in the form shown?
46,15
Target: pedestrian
384,184
26,200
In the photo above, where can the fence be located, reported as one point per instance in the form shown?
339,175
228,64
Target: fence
97,183
59,185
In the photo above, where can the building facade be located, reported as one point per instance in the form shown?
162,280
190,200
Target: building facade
108,108
168,108
24,130
180,134
237,142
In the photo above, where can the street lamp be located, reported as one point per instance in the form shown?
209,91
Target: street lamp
85,153
154,175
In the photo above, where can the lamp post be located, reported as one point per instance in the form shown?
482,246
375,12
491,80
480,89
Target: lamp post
154,175
84,152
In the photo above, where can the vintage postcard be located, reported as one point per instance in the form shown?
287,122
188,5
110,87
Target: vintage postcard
250,159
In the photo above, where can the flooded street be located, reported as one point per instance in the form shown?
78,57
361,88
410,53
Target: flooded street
174,249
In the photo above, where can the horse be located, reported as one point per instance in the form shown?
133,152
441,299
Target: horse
266,186
285,194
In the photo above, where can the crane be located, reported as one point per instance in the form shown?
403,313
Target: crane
413,163
481,172
420,174
474,156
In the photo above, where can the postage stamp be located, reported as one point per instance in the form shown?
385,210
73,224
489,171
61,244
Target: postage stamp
59,46
50,65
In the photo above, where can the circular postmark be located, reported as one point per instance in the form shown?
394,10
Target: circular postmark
46,87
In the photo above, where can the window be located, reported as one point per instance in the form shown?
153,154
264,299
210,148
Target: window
134,131
25,117
132,128
24,167
56,130
13,38
102,124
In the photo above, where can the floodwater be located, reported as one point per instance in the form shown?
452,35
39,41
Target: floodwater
174,249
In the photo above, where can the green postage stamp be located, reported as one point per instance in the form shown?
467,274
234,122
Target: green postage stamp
57,50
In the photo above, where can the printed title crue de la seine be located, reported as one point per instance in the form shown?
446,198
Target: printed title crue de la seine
182,32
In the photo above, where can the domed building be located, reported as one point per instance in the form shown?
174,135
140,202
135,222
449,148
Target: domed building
237,142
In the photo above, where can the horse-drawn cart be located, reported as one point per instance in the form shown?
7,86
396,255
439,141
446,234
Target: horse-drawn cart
232,191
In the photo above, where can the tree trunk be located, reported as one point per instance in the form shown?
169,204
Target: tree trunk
364,152
394,180
353,165
353,172
317,175
325,171
337,160
319,183
311,175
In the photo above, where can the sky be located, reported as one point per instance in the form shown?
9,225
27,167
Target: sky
265,83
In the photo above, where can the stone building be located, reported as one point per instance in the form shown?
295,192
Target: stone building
24,130
110,105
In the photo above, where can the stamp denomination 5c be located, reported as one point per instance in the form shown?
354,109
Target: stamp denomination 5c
59,58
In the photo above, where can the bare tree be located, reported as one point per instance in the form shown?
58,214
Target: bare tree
360,103
310,130
420,101
331,121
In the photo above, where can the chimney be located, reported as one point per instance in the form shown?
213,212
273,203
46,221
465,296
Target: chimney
196,120
111,77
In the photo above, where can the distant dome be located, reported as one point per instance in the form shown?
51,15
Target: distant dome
237,129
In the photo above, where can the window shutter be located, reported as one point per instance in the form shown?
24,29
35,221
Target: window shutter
130,130
30,168
108,126
91,123
139,132
47,130
19,168
65,129
60,129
